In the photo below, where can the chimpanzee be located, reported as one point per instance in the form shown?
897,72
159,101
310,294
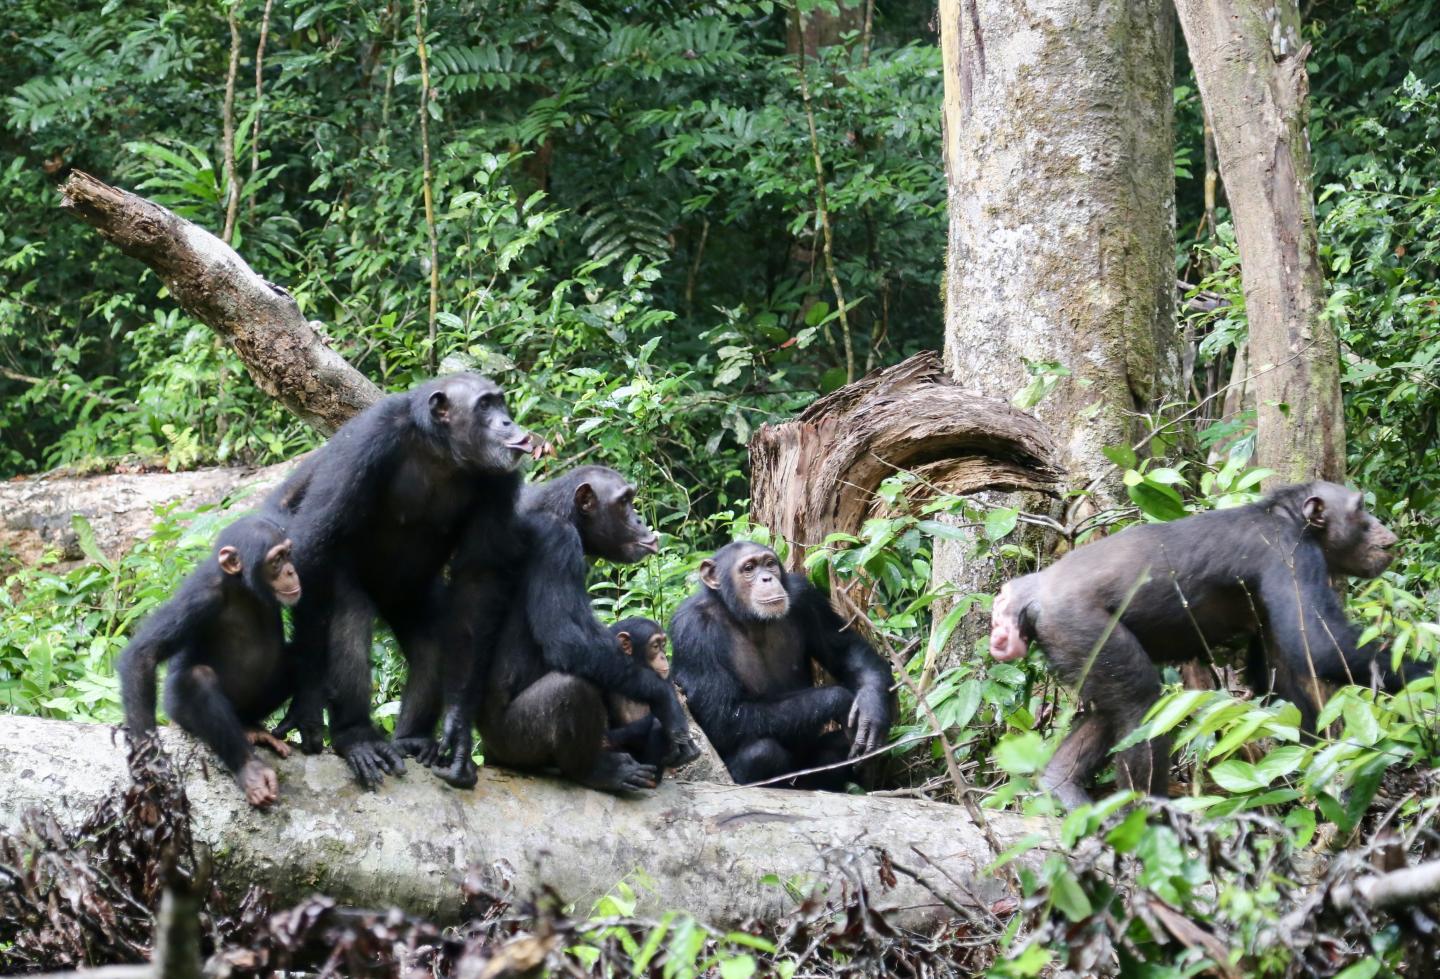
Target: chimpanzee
744,646
541,703
229,669
1107,612
377,513
633,728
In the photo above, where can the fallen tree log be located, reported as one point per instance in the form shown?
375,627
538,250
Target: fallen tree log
285,353
701,848
35,514
817,475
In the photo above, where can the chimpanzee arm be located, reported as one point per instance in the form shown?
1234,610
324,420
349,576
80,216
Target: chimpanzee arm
163,634
572,640
730,716
850,659
1308,629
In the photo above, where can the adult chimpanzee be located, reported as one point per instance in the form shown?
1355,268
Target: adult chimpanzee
223,631
541,703
1107,612
744,645
377,513
633,728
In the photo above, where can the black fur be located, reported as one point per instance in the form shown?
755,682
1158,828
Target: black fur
226,640
541,704
1107,612
750,682
378,512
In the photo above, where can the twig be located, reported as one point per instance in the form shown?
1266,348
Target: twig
1398,888
232,177
821,207
428,190
259,96
840,764
64,386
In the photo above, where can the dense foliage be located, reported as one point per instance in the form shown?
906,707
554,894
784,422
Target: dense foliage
629,237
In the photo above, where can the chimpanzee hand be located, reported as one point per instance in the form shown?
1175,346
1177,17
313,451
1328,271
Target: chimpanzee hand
683,750
870,720
310,726
424,750
371,761
453,763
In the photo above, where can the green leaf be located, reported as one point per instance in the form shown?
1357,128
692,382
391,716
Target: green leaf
1122,455
1157,500
1021,754
740,967
1069,897
999,523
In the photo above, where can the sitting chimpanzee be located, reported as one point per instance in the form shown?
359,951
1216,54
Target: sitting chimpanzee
744,648
377,513
223,633
1107,612
633,728
541,703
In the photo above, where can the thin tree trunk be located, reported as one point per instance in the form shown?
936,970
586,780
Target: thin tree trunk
1249,63
232,173
427,181
1058,154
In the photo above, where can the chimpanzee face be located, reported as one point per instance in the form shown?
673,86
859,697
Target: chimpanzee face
469,411
650,647
1354,542
750,581
255,550
610,526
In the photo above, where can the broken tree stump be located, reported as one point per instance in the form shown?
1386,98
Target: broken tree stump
817,475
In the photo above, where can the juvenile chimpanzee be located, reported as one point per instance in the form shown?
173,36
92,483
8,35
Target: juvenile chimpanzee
223,633
377,513
633,728
1107,612
541,704
744,646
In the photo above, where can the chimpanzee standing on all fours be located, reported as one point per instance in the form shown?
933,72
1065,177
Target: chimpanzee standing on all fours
1107,613
744,649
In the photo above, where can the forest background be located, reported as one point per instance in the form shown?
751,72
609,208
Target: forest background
619,208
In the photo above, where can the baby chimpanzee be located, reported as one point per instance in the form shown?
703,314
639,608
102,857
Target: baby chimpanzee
224,633
632,727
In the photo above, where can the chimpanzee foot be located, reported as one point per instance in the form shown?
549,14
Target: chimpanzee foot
683,750
371,761
424,750
267,740
461,772
312,731
618,773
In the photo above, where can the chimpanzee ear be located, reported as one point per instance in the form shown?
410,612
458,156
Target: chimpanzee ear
440,406
626,646
230,562
585,498
1314,511
708,577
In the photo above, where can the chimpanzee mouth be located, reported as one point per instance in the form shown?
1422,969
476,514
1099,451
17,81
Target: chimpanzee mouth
525,444
651,544
289,597
775,600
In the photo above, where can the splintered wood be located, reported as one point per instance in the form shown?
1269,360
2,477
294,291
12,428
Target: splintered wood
817,475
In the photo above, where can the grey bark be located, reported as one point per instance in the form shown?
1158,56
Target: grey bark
701,848
1058,156
284,353
1249,63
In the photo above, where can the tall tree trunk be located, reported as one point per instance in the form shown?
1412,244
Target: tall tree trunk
1058,139
1250,65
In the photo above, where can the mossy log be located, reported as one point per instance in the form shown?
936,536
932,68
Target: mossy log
702,848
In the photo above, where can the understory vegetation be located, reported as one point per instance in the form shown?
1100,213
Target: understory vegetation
631,239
